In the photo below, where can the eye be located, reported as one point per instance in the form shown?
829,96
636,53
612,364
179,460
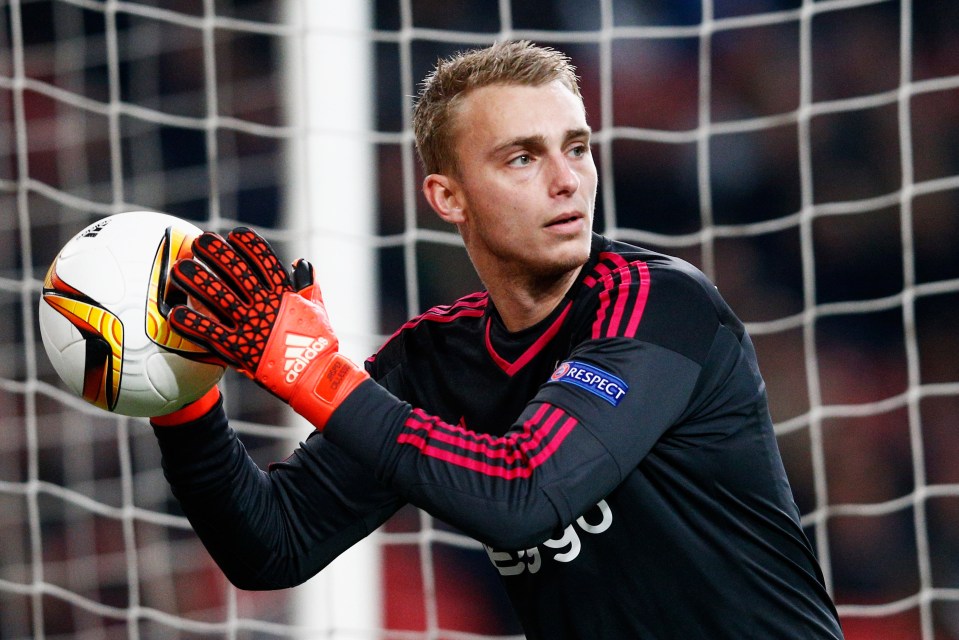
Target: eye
579,151
521,160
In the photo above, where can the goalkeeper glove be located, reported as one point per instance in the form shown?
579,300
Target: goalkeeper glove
272,328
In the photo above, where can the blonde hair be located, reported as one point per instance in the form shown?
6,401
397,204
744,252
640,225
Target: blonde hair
515,62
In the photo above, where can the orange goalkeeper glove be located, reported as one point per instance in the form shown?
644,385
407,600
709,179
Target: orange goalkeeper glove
262,324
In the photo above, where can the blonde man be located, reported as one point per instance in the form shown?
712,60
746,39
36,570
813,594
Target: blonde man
595,416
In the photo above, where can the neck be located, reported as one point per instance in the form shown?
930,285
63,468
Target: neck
522,302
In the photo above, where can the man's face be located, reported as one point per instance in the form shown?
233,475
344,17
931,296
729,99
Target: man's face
526,179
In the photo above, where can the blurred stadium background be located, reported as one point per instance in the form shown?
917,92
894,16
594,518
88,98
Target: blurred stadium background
805,154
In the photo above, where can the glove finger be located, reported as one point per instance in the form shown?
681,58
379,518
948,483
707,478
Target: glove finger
261,257
207,289
241,348
304,281
212,336
303,274
223,260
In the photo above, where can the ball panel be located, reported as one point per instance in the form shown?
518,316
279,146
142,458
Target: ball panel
102,333
145,403
101,374
74,365
64,347
176,245
176,377
92,270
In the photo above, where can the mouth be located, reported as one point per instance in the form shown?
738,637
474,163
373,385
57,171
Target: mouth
565,219
566,222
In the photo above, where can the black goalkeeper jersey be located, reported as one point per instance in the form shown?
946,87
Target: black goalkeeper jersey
617,460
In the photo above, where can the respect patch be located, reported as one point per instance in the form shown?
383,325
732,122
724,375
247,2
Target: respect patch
593,379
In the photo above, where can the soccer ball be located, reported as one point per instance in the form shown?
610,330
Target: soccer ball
103,316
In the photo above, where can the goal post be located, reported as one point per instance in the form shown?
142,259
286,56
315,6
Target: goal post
330,196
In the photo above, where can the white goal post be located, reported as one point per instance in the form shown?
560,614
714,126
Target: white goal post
332,182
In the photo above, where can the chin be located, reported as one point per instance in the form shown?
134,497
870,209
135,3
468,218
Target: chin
576,251
561,262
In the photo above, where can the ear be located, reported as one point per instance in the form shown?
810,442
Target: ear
445,197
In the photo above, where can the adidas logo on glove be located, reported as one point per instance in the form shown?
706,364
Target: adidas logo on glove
300,351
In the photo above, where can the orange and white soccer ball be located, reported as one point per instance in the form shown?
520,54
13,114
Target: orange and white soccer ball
103,316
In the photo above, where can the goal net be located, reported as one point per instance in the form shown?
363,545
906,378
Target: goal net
802,153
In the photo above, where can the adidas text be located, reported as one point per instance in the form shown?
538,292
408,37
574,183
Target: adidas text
300,351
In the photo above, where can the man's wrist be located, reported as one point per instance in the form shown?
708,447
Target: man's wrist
192,411
318,396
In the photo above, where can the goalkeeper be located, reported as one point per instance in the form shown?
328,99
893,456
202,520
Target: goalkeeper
595,416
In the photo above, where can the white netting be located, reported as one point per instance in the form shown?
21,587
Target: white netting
802,153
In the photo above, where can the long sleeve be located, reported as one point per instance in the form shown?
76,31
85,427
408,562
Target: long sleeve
269,529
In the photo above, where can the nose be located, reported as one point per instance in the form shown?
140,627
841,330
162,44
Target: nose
564,181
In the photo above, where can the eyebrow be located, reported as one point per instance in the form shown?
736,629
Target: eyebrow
539,141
